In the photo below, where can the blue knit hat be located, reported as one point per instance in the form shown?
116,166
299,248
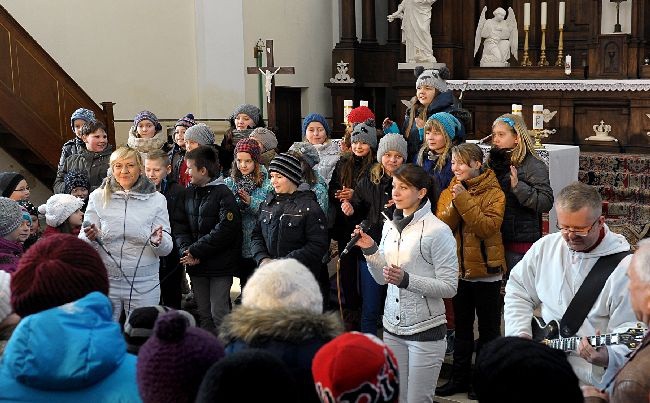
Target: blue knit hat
82,113
452,126
146,115
252,111
315,117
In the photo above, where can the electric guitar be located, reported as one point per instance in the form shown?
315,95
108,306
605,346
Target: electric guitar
549,334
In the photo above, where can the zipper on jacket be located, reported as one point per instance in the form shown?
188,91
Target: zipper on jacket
462,255
426,301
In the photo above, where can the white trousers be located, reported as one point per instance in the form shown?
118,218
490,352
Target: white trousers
419,364
145,292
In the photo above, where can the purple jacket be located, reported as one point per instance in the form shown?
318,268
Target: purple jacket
10,253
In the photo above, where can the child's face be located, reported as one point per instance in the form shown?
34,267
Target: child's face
464,171
76,219
156,170
191,145
35,226
21,192
436,140
245,163
243,121
425,94
391,160
360,149
281,184
21,233
96,141
405,196
503,136
179,136
78,124
315,133
80,192
198,177
146,129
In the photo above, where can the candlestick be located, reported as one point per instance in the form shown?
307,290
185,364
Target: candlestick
543,16
526,14
526,60
542,56
561,13
560,48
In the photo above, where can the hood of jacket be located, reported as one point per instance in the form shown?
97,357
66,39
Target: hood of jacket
70,347
442,101
142,189
146,145
256,325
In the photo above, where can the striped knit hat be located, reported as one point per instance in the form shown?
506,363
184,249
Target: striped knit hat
146,115
186,121
82,113
288,166
250,146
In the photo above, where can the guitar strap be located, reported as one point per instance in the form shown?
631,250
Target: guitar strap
588,292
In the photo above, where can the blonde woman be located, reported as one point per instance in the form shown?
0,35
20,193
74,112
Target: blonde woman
129,227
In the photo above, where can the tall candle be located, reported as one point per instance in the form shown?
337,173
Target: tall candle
517,109
543,18
347,107
363,103
526,14
538,117
561,14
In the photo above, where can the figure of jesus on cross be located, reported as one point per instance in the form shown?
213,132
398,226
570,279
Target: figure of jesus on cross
269,84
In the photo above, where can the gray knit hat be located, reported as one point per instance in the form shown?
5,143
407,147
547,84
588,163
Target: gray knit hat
200,133
266,137
288,166
251,110
82,113
11,216
391,142
307,151
365,133
433,79
59,207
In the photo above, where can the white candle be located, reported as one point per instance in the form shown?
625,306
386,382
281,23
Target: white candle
561,14
543,18
567,65
517,109
526,14
347,107
363,103
538,117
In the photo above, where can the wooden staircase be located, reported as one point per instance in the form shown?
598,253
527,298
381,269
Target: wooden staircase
37,98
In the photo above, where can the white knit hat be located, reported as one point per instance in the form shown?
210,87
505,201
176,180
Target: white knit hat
5,295
392,142
283,283
59,207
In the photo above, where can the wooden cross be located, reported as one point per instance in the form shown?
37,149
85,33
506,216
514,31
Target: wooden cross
269,72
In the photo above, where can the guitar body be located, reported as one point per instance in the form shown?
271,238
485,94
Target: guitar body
543,331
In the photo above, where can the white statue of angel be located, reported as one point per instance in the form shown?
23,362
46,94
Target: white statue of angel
268,78
501,38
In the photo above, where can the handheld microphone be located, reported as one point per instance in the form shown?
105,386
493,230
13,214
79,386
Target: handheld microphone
365,226
87,224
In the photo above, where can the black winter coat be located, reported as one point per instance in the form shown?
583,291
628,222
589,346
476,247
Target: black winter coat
291,226
173,192
176,156
344,225
207,222
371,198
526,202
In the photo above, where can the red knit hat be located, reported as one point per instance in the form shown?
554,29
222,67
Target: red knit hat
55,271
360,114
356,365
249,145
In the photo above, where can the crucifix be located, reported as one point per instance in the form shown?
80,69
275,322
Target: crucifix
269,84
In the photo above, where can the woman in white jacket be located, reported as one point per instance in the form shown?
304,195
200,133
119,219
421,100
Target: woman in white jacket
129,227
417,259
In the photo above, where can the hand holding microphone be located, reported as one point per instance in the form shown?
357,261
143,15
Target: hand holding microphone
91,232
359,237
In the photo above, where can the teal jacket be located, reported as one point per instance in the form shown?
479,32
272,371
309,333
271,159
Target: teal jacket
72,353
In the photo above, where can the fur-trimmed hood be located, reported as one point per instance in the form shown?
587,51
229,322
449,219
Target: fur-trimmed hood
142,189
146,145
255,326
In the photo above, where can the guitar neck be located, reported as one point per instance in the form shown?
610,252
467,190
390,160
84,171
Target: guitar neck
571,343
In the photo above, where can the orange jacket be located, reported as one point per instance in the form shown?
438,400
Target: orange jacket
475,217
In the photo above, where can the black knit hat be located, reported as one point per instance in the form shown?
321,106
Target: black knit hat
8,182
288,166
139,325
75,179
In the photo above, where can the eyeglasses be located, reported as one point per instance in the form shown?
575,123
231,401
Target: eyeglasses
25,189
577,231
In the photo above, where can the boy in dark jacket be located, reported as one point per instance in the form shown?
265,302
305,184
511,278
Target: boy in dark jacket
208,233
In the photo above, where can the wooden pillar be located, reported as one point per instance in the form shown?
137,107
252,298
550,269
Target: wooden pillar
394,28
368,29
348,22
110,122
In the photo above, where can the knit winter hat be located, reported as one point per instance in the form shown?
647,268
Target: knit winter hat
391,142
519,125
266,137
200,133
75,179
366,133
249,146
432,78
186,121
360,114
283,283
11,216
82,113
356,366
140,323
288,166
252,111
54,271
172,363
510,367
307,151
146,115
315,117
247,376
8,182
5,295
451,125
59,207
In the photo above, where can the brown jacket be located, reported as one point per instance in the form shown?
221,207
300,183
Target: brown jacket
475,217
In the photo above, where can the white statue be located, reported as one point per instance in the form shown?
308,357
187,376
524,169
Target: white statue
268,78
501,37
416,29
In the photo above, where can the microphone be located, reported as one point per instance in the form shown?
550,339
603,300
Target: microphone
365,226
87,224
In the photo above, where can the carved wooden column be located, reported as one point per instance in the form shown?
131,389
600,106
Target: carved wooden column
368,30
394,28
348,23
